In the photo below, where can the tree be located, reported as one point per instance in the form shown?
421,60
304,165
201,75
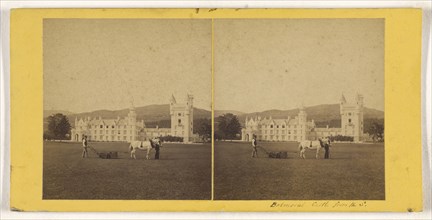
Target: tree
376,130
58,127
203,127
228,126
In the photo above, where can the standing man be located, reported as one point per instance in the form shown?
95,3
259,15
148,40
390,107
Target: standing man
156,144
327,149
254,146
157,148
85,146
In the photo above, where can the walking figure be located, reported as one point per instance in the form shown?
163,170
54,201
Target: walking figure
85,146
254,146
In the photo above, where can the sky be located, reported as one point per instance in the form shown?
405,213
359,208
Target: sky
94,64
282,64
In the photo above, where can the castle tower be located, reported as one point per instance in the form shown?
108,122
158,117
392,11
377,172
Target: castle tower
352,118
302,117
359,131
131,127
182,118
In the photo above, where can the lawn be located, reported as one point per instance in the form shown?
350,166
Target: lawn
182,173
354,172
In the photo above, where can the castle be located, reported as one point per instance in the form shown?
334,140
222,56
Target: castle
299,129
130,129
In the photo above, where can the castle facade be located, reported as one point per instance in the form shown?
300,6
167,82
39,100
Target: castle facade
129,129
299,129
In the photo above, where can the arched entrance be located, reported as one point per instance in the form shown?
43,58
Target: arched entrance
77,137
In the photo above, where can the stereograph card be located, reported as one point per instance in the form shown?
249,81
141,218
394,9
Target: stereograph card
292,110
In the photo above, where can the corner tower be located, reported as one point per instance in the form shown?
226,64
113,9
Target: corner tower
352,118
302,118
131,124
182,118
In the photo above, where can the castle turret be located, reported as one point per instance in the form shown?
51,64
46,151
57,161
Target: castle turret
342,102
173,100
359,100
302,115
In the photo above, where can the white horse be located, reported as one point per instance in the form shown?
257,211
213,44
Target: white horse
144,145
311,145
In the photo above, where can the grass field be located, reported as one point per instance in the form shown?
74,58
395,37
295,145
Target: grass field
183,172
353,172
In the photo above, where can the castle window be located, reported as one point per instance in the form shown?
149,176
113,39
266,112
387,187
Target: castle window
277,126
349,120
283,126
179,121
349,114
107,126
101,126
271,126
113,126
179,114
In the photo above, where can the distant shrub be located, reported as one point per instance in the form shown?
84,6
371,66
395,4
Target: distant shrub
341,138
170,138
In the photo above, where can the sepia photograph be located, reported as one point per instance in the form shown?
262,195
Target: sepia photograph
299,109
127,109
231,110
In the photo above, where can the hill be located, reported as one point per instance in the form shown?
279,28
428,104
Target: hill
218,113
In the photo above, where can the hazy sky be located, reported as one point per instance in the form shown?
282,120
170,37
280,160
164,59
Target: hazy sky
281,64
92,64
